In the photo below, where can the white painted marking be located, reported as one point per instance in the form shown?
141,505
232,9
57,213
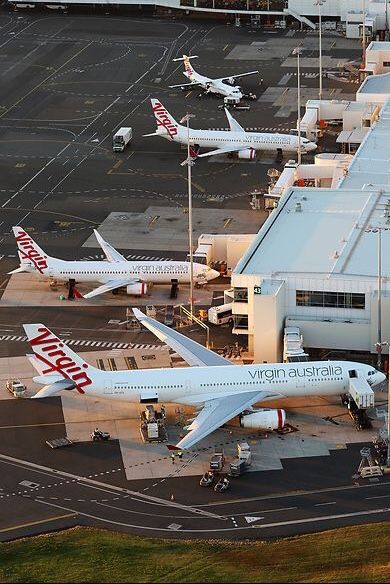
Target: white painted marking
250,519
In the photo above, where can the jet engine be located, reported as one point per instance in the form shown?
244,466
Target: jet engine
137,289
248,154
230,80
265,419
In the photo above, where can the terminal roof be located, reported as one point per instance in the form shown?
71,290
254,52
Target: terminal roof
333,232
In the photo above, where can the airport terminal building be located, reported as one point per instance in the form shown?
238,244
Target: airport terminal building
322,259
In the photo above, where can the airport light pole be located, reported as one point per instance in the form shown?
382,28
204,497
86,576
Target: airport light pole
379,340
189,162
297,51
320,3
364,32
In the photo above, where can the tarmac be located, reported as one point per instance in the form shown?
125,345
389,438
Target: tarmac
28,290
319,425
81,77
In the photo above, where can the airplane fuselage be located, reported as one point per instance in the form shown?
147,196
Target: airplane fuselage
217,87
193,385
250,140
158,272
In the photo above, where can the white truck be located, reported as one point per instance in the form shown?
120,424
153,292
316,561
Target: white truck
16,387
243,460
121,138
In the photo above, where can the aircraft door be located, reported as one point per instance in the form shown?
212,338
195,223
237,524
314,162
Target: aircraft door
108,387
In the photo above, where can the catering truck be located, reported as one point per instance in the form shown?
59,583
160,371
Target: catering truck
121,138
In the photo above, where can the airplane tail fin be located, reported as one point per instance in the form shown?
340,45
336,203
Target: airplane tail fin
166,124
189,71
56,363
32,257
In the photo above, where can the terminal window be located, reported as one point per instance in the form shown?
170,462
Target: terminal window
240,295
330,299
241,321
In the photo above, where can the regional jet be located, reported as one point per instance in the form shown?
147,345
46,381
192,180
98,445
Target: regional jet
217,389
222,86
234,140
116,272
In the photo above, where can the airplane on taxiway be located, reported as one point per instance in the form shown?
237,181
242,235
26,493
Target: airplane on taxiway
218,389
222,86
113,273
236,140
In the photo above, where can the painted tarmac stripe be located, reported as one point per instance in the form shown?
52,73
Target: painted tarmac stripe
322,518
22,525
93,483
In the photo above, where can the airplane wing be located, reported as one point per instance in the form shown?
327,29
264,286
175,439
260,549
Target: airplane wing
223,150
234,125
185,85
191,351
111,253
111,285
236,76
215,413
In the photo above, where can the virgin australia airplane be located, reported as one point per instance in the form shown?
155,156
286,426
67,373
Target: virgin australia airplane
218,389
221,86
116,272
245,144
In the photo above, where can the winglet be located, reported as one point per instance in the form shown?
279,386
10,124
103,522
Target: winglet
234,125
139,315
173,447
110,252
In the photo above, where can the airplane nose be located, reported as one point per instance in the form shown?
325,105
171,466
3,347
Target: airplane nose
212,274
381,377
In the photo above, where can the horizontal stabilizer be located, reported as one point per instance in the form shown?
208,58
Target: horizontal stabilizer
47,379
19,270
54,388
152,134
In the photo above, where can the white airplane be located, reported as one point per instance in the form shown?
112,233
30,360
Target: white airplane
225,141
116,272
217,388
223,86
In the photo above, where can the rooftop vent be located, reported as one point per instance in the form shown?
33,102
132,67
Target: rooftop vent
335,255
298,207
387,209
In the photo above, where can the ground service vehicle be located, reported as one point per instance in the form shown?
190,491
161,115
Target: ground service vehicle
97,435
217,460
121,138
169,315
221,314
16,387
207,479
222,485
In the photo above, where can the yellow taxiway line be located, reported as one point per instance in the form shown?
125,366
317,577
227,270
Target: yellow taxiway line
21,525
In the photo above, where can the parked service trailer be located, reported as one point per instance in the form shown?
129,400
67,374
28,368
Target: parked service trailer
121,138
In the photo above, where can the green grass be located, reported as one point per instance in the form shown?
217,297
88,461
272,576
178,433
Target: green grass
353,554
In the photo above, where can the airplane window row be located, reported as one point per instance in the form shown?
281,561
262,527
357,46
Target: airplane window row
234,383
118,273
